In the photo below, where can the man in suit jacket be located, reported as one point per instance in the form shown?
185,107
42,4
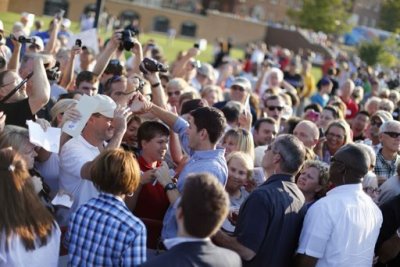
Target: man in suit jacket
200,213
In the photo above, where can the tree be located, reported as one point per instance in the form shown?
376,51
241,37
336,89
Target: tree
329,16
380,52
389,15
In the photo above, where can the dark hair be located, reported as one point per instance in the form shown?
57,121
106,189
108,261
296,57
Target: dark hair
204,204
363,112
210,119
115,171
231,113
313,106
150,129
258,123
85,76
335,111
291,123
192,104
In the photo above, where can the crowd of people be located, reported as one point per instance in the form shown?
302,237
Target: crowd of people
236,162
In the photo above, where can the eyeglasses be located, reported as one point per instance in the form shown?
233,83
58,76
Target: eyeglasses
392,134
370,189
176,93
376,123
337,136
237,88
272,108
19,86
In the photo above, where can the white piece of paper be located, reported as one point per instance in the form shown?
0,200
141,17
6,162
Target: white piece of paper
88,38
86,106
62,199
49,139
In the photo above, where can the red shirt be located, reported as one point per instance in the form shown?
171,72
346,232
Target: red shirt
352,109
152,202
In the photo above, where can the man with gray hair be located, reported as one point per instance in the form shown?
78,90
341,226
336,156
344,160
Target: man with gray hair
270,220
387,157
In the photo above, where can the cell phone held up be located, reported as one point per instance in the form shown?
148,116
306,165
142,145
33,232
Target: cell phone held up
78,42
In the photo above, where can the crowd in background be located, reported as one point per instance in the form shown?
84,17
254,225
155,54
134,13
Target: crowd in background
250,161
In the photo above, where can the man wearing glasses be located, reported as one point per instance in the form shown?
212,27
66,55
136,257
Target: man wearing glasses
18,104
274,105
387,157
269,222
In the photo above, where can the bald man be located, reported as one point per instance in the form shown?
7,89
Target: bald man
307,132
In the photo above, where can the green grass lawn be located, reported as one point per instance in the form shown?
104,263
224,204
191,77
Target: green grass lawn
171,49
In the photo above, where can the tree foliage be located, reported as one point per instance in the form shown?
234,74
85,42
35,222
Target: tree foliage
384,53
389,15
329,16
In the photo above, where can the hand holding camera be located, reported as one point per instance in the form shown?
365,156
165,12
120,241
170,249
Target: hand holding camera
150,65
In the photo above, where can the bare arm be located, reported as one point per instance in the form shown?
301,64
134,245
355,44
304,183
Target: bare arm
13,64
68,75
389,249
303,260
40,93
121,114
106,54
180,66
137,50
231,242
51,44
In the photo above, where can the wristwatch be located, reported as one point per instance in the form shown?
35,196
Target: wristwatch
169,186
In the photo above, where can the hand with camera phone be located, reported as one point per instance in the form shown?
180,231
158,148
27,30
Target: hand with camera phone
193,52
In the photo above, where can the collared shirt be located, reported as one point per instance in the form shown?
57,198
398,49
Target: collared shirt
210,161
385,168
172,242
341,229
103,232
270,220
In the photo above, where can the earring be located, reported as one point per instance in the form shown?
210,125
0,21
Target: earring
129,195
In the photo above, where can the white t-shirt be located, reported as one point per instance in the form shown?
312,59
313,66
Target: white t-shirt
74,154
18,256
50,170
341,229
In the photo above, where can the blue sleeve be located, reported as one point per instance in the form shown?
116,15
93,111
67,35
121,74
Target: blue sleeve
180,127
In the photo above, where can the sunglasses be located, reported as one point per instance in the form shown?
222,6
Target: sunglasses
18,87
376,123
177,93
392,134
272,108
237,88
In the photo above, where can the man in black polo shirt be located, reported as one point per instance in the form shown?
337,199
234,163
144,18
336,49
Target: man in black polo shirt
270,220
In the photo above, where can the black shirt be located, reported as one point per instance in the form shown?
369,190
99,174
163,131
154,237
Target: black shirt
270,221
391,222
17,113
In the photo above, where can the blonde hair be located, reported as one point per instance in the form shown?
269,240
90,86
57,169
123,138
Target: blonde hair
245,159
60,107
244,140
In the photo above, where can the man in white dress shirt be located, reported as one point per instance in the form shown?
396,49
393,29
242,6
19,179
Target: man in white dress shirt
341,229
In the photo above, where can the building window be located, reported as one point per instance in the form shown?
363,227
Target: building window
127,17
188,28
161,24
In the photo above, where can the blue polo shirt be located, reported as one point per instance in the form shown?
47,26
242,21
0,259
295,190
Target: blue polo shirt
210,161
